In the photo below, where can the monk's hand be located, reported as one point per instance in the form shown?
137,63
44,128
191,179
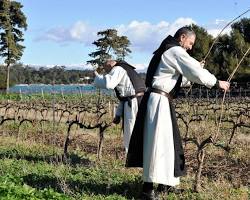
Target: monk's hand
224,85
202,63
117,120
99,70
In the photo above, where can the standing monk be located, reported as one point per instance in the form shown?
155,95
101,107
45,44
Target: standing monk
129,89
155,142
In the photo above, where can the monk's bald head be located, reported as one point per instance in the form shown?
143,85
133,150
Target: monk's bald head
108,65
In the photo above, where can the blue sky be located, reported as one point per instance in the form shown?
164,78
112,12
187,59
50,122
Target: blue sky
60,32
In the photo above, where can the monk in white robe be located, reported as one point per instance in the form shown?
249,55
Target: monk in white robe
170,66
118,78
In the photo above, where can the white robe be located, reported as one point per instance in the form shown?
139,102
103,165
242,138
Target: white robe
119,78
158,144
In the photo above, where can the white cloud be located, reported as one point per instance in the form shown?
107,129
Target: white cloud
145,36
58,34
78,32
82,32
215,32
219,21
216,27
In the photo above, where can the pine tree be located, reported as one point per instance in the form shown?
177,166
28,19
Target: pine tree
110,45
12,21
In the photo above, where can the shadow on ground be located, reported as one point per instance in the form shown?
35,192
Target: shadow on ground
130,190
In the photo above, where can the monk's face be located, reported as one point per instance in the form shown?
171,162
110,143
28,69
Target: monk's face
187,41
108,66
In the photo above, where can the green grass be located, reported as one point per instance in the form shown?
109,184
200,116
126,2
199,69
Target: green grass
30,171
57,97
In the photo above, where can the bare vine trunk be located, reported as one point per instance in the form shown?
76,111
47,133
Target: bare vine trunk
200,156
100,145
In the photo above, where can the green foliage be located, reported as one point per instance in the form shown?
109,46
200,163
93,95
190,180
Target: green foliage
104,45
108,46
226,52
12,21
238,47
202,43
13,188
121,49
219,55
243,26
229,49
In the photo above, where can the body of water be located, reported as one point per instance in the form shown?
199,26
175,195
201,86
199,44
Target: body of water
43,88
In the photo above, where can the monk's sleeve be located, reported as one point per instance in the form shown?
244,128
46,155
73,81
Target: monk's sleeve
110,80
190,68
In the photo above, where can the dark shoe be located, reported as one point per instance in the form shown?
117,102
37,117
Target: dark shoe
150,195
163,188
168,189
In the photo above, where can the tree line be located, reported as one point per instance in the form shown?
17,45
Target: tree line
25,74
